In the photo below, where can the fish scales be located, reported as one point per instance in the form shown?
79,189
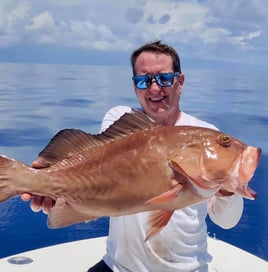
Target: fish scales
135,165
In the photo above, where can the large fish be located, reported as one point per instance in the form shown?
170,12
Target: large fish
134,166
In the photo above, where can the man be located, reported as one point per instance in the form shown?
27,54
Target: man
182,244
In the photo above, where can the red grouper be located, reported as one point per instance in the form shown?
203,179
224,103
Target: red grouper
134,166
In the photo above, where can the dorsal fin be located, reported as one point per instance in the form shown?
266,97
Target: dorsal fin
69,142
128,124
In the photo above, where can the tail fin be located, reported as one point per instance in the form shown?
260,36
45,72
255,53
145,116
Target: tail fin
6,190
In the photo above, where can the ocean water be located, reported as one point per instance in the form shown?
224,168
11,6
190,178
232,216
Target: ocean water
38,100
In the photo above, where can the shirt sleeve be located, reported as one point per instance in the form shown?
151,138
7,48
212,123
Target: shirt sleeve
113,115
225,211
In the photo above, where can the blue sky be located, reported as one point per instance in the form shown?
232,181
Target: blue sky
106,31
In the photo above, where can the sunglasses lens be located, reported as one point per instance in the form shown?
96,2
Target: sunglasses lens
165,80
142,82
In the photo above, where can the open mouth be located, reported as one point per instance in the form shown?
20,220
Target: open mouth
249,161
157,99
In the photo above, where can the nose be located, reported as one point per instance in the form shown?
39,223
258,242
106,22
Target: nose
154,86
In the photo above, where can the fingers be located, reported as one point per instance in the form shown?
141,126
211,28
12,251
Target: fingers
40,163
47,205
39,203
36,203
26,196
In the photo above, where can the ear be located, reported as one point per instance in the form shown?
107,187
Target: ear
180,83
134,87
181,79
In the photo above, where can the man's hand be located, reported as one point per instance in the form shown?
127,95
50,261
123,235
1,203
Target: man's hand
39,203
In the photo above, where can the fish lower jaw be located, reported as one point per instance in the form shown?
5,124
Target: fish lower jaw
202,191
243,190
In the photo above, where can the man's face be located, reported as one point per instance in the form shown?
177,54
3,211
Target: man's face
160,103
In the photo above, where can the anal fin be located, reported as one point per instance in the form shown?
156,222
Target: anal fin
63,215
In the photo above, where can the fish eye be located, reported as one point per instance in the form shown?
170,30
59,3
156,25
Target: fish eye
224,140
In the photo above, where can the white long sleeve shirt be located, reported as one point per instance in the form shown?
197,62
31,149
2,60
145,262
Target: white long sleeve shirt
182,245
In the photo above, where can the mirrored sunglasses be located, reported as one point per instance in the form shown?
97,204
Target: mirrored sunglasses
163,79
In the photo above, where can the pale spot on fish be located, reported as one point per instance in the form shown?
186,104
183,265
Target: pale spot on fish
80,158
144,161
211,153
150,145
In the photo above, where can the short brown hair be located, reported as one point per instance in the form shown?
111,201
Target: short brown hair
157,47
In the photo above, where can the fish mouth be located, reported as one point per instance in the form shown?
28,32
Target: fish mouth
244,169
249,161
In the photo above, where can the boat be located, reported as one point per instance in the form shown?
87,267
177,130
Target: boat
80,255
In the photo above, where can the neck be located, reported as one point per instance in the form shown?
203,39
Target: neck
171,121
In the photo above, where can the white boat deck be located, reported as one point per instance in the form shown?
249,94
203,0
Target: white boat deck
78,256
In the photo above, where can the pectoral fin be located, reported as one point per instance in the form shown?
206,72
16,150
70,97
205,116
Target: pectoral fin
63,215
166,196
157,221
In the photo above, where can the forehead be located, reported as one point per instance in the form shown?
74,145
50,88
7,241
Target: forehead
153,62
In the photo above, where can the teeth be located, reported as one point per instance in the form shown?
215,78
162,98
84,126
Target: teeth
157,99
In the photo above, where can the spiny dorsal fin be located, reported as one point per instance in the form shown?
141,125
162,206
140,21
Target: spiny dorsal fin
128,124
69,142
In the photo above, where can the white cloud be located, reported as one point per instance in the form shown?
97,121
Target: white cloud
254,35
42,27
245,40
12,12
41,22
90,35
12,15
196,28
